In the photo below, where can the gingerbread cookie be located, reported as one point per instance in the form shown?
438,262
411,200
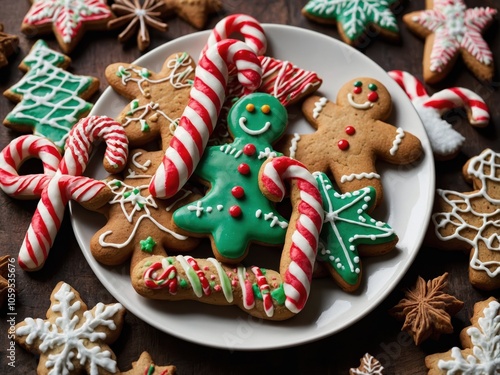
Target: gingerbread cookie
263,293
195,12
451,29
8,45
234,203
351,135
139,225
158,99
68,20
72,339
145,366
355,19
50,99
427,309
368,366
138,16
349,232
480,342
469,221
445,141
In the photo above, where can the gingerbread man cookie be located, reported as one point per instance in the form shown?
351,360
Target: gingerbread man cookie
158,99
351,135
469,221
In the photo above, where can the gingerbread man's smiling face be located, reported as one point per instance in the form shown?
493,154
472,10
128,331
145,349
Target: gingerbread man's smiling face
365,96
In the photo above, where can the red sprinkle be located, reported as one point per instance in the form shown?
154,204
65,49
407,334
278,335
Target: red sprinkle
238,192
343,144
357,90
235,211
350,130
372,97
244,168
249,149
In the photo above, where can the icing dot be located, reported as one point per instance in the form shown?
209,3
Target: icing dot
235,211
265,109
372,97
350,130
244,168
238,192
357,90
249,149
372,87
250,107
343,144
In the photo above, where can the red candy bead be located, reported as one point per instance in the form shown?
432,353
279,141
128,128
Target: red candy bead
343,144
372,97
238,192
235,211
244,168
350,130
249,149
357,90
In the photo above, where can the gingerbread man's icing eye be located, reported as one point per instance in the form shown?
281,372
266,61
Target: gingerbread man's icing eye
357,87
250,107
265,109
373,87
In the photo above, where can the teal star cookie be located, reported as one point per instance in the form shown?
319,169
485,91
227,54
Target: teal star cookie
357,20
347,227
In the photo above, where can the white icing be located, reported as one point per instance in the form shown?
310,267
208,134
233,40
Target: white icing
397,141
365,105
359,176
293,146
262,130
318,107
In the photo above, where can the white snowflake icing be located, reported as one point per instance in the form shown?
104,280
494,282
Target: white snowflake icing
485,358
73,335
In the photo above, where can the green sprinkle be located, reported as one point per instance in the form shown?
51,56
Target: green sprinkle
147,245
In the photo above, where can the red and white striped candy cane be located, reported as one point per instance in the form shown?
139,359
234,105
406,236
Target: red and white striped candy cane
200,116
410,84
247,26
65,185
299,252
15,154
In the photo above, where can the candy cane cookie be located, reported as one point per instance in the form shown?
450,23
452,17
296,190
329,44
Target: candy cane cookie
260,292
200,116
15,154
66,184
445,141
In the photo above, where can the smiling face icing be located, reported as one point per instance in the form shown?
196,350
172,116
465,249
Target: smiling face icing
364,95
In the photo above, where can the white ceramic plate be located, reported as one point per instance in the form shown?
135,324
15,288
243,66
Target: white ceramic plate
408,191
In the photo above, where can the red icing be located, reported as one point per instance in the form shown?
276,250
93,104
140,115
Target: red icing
357,90
235,211
343,144
244,168
249,149
372,97
238,192
350,130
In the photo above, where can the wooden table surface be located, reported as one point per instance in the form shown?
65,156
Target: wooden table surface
377,333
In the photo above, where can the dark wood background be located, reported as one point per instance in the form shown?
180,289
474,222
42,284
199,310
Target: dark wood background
378,333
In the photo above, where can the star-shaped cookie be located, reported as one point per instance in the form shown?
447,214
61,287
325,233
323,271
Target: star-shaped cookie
8,45
354,18
68,20
451,29
194,12
145,366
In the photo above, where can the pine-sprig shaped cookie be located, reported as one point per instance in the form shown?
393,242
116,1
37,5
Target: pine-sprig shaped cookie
73,339
470,221
355,18
451,30
157,98
480,342
50,99
351,136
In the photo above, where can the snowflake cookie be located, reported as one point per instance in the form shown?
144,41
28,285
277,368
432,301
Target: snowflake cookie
481,345
470,221
73,339
368,366
356,21
451,29
68,20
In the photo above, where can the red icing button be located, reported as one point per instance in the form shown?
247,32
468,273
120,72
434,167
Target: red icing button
372,97
343,144
235,211
244,168
249,149
357,90
350,130
238,192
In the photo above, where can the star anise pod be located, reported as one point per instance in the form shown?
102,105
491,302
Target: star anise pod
138,15
427,309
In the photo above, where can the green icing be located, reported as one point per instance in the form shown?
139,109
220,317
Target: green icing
277,294
147,245
50,101
259,220
347,225
355,16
